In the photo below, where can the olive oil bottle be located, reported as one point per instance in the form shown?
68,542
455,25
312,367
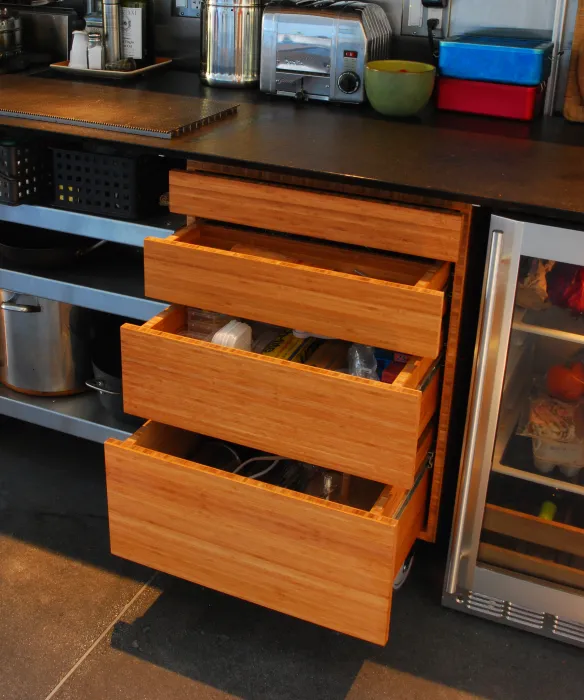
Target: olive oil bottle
138,31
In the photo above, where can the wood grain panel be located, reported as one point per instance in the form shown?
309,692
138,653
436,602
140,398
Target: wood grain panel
365,222
320,561
350,307
350,424
448,380
534,566
574,98
530,528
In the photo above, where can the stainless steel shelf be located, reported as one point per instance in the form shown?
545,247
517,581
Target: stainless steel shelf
110,280
81,415
127,232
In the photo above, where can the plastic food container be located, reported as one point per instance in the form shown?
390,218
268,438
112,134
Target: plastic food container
493,99
496,59
549,453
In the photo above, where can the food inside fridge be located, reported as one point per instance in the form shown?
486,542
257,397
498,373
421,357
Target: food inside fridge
566,382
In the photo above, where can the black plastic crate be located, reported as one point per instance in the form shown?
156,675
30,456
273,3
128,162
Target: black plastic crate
24,173
109,185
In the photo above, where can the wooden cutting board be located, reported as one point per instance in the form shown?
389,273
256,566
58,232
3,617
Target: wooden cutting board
122,109
574,102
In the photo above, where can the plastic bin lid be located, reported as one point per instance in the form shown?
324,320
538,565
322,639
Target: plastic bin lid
503,42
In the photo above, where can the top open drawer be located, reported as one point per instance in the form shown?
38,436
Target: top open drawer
347,293
374,223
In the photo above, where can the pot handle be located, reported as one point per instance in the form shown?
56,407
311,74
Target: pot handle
98,385
11,305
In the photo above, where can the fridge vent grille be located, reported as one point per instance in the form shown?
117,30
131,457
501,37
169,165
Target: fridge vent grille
485,604
568,629
524,616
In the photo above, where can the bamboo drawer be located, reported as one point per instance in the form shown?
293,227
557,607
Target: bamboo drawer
327,563
346,293
358,426
430,233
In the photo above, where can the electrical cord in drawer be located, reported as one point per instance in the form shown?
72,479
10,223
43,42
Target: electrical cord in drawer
327,484
295,346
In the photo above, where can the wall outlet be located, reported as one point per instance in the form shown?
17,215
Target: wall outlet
186,8
415,17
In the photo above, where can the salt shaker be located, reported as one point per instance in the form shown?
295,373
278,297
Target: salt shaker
95,57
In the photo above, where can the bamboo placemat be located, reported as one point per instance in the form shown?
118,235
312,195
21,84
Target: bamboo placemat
574,102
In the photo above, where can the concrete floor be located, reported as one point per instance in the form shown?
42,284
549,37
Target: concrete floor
79,624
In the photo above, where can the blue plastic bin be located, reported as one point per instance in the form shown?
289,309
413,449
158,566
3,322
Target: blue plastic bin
496,59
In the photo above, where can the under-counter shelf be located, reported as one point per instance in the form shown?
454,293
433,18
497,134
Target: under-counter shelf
343,292
318,560
80,224
81,415
111,280
366,428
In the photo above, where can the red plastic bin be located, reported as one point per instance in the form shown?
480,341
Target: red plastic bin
492,99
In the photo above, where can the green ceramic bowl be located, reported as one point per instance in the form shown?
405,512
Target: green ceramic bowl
399,88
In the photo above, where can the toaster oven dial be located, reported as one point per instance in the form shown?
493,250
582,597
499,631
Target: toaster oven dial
349,82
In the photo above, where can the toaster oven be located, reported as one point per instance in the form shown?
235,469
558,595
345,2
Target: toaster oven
318,50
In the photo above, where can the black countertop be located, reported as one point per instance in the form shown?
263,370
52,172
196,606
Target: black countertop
534,168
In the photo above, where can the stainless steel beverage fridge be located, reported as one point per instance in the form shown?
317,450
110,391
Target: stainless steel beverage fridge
517,548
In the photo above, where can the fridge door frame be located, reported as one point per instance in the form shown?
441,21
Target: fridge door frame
509,240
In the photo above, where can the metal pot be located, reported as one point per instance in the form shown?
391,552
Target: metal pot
44,345
106,359
230,42
110,394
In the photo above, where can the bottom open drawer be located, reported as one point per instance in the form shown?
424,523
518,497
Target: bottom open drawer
318,560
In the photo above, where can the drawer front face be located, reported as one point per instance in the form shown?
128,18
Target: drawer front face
328,564
354,425
365,222
199,269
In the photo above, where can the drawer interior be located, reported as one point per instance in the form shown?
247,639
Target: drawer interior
415,374
326,562
366,428
349,260
347,292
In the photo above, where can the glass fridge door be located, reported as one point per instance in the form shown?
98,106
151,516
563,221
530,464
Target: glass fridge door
519,530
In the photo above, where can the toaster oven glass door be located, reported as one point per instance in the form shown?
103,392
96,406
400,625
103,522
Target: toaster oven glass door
304,45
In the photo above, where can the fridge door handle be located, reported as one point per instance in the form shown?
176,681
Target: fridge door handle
477,389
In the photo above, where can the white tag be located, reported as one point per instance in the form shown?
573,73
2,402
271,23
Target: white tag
132,33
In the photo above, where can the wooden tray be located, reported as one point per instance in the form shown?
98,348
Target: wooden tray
574,102
63,67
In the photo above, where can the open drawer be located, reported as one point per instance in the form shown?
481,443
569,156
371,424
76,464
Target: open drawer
324,562
358,426
347,293
431,233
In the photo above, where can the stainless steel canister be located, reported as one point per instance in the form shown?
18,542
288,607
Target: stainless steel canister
44,345
230,42
112,30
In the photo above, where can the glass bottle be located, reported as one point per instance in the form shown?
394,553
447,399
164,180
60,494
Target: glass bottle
138,31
